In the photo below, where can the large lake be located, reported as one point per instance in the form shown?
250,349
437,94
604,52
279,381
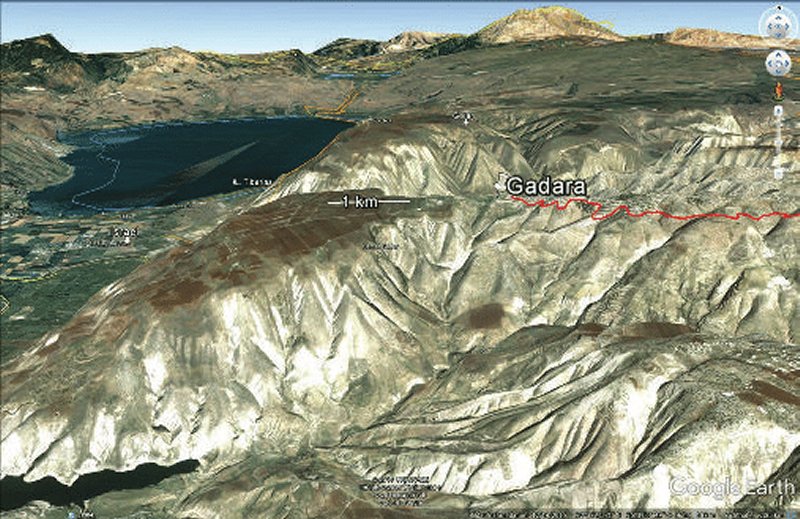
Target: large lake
147,166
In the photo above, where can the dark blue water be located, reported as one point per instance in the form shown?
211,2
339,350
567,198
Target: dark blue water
156,165
16,492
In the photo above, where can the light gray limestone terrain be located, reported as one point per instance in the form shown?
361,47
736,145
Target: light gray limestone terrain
515,356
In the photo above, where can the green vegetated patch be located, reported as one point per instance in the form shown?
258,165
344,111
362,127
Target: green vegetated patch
36,308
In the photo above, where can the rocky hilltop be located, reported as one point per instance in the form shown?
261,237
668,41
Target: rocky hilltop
414,40
710,38
517,357
349,48
43,62
543,23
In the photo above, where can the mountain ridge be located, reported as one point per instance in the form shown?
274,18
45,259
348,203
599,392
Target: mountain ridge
521,26
516,356
524,25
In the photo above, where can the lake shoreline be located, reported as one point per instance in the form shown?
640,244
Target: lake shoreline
161,164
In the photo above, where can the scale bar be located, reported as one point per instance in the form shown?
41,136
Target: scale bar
394,201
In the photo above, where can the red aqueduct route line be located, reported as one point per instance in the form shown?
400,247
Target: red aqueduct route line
599,207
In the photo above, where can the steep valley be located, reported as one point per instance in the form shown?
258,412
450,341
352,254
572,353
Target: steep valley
513,357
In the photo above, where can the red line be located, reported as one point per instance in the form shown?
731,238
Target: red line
599,207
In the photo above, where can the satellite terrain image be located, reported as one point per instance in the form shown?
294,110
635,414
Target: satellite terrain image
400,260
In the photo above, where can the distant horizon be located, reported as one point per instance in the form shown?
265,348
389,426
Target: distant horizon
256,27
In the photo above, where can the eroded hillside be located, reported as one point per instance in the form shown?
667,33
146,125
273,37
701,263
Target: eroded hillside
514,356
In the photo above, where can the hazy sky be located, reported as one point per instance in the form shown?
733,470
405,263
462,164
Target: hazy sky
265,26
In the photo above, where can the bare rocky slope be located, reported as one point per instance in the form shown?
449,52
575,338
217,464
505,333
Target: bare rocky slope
517,357
710,38
543,23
